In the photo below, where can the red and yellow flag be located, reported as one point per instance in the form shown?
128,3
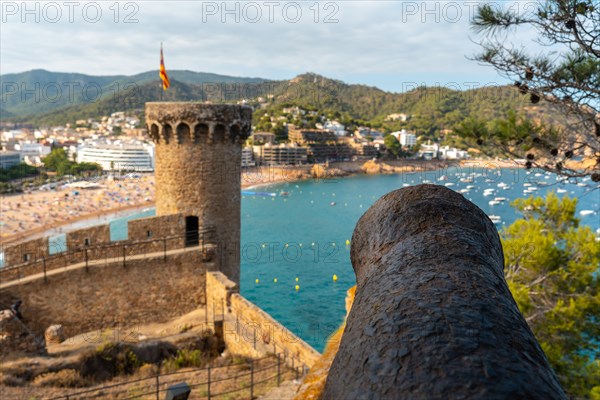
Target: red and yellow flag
163,72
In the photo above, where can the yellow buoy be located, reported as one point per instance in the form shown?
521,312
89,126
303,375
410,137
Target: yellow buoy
334,277
347,242
297,287
297,279
257,281
275,280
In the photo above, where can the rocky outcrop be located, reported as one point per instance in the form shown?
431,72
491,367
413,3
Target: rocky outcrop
54,334
433,317
17,338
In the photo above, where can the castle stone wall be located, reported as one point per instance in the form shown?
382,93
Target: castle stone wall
250,331
22,252
163,226
88,237
112,295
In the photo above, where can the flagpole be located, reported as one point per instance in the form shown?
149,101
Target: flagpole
160,81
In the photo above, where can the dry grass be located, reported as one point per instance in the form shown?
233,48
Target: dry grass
230,379
67,378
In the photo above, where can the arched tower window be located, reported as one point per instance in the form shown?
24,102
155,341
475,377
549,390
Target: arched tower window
154,133
183,133
219,134
167,133
201,133
234,133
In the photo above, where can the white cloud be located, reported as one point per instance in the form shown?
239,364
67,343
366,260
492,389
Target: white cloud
382,42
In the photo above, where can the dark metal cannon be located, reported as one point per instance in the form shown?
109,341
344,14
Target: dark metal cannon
433,317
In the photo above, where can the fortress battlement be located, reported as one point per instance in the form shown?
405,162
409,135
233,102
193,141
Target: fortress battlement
197,123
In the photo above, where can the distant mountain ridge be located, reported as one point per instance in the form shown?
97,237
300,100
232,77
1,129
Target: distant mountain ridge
431,109
31,94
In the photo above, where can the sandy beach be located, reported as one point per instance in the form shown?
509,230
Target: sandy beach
26,214
31,215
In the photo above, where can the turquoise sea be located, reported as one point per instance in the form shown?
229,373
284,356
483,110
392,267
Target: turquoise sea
301,239
315,232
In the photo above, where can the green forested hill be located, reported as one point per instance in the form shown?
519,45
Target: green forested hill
431,108
42,96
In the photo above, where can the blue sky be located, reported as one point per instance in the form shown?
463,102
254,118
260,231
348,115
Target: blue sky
393,45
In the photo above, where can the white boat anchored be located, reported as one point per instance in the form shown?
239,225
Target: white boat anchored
496,219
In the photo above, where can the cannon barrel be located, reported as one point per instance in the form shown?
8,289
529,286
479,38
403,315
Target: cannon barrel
433,317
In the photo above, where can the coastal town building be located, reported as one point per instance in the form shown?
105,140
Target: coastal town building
363,148
118,156
435,151
322,145
368,134
32,153
330,151
429,151
262,138
407,138
247,157
397,117
14,134
304,136
281,154
451,153
9,159
334,126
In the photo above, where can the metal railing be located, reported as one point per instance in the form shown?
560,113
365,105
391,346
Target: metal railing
110,253
206,383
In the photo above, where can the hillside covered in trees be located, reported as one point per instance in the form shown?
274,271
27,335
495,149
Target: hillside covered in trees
429,109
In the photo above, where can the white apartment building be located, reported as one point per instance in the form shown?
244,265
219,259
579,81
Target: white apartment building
405,138
451,153
118,157
334,126
32,153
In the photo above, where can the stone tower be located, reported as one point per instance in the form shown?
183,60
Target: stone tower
197,167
